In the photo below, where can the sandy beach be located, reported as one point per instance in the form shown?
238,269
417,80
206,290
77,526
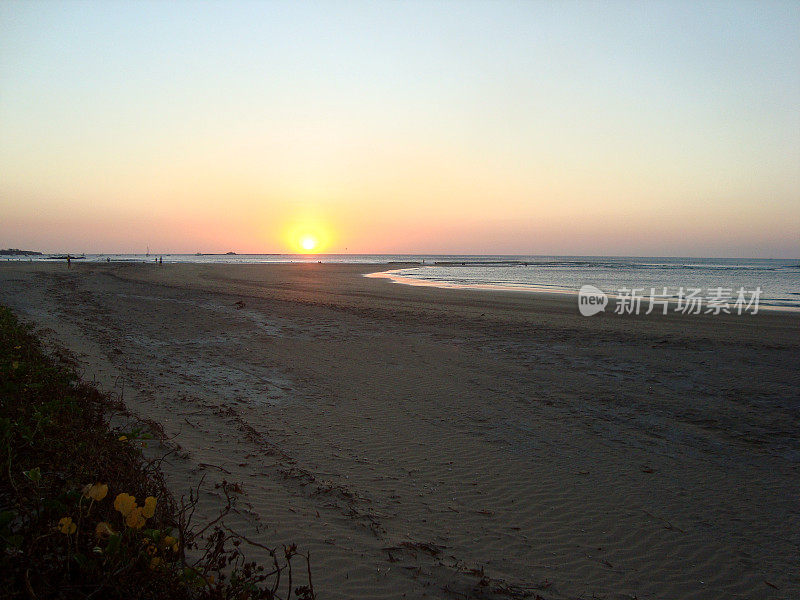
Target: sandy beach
430,443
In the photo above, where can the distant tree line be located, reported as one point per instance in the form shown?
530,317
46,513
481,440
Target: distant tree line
18,252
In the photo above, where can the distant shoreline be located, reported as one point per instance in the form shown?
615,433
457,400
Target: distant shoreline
432,258
18,252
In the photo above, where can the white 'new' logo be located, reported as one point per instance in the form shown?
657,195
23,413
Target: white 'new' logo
591,300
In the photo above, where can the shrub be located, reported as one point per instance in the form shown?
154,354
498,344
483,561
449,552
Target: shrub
82,513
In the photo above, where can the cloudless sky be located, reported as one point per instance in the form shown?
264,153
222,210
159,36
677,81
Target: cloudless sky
636,128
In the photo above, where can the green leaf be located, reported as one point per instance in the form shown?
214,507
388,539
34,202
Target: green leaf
113,543
35,475
81,560
6,517
190,574
55,505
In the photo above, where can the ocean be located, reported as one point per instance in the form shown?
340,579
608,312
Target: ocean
777,279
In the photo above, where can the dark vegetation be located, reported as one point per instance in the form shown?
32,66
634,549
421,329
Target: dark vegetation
83,514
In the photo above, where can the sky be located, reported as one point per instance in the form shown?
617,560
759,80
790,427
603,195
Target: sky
569,128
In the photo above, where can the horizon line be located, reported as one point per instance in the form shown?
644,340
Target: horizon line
420,254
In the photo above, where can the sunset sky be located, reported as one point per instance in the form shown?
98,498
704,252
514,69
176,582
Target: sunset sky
633,128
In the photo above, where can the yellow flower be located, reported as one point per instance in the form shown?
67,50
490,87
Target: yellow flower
154,562
134,519
171,542
65,525
103,531
125,503
122,438
149,507
96,491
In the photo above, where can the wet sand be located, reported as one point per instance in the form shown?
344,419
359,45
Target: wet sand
451,443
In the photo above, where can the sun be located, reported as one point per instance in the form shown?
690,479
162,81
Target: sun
308,243
307,236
